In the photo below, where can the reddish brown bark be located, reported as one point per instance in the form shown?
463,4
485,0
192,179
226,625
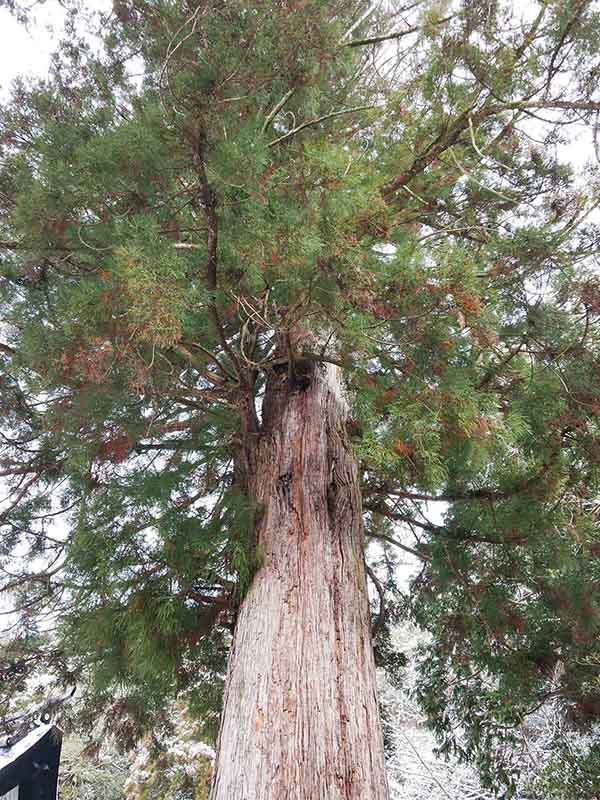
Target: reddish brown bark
301,718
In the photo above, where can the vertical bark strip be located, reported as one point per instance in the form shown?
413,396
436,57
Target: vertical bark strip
301,720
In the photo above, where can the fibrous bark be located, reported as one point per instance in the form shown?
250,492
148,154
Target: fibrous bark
301,718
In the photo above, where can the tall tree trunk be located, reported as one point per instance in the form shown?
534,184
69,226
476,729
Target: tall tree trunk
301,720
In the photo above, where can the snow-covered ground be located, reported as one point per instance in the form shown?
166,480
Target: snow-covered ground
415,771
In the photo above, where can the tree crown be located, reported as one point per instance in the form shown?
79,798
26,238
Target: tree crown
227,191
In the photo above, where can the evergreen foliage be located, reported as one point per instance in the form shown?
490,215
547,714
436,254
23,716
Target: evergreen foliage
175,207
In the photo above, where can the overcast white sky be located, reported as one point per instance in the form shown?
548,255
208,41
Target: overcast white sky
23,52
27,52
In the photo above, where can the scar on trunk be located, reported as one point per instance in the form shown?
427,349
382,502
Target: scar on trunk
297,373
284,486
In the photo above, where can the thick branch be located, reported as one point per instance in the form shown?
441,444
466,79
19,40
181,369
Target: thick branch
209,204
200,366
379,622
386,37
567,105
316,121
380,508
396,543
277,108
460,497
462,535
468,119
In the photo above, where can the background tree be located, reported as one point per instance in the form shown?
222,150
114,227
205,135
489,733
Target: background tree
83,777
284,197
178,767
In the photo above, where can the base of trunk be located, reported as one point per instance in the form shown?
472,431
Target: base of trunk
301,718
